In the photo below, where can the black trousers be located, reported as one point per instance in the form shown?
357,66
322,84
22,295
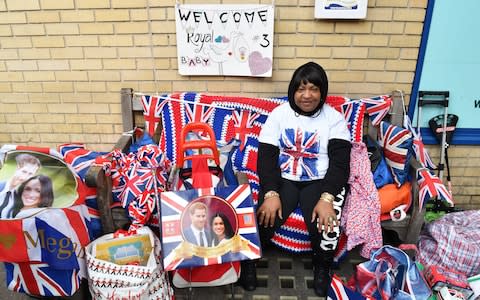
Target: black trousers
305,194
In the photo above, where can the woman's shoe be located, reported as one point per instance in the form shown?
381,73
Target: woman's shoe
248,275
321,272
321,281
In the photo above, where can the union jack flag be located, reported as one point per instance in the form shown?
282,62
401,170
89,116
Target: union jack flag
245,125
396,143
377,107
421,153
198,112
354,112
430,186
233,201
41,280
152,108
79,157
299,152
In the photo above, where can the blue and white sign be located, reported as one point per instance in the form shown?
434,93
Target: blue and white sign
341,9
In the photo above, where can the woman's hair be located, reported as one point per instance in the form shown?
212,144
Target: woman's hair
46,193
308,73
228,227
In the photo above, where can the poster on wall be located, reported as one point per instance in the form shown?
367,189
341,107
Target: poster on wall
225,40
341,9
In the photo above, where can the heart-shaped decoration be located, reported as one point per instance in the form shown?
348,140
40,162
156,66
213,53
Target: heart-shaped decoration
259,64
218,39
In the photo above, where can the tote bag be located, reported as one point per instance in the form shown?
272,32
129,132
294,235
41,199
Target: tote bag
391,274
115,280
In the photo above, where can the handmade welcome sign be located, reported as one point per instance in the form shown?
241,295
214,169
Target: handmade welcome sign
225,39
210,226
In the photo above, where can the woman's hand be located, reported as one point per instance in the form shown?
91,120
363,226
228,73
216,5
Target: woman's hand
266,213
324,214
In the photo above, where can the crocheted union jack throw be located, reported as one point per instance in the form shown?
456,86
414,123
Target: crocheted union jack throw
237,122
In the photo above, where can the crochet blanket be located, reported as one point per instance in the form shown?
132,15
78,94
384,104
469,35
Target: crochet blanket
237,122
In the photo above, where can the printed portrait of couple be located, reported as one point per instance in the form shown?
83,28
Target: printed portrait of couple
32,181
209,221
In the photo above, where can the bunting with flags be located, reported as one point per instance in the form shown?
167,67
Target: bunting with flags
139,178
152,108
377,107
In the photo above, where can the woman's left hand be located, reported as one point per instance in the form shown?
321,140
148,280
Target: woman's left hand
324,214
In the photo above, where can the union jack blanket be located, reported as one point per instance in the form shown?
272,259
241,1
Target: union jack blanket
237,122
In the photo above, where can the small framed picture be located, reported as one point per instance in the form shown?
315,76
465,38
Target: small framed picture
341,9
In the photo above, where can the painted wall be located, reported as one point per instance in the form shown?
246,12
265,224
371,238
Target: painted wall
451,63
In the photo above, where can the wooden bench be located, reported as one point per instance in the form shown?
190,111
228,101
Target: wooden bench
132,115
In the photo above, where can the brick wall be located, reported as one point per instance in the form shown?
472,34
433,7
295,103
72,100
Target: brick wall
62,64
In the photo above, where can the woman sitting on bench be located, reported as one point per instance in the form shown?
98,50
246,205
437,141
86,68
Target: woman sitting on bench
303,158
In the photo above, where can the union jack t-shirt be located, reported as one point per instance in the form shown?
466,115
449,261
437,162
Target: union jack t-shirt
303,140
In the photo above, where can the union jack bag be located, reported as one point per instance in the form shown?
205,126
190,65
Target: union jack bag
44,222
391,274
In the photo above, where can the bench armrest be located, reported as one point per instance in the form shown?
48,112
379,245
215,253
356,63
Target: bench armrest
96,178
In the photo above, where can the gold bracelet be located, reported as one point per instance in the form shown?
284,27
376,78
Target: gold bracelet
327,197
270,194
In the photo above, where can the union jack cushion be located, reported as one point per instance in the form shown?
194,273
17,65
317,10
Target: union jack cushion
397,148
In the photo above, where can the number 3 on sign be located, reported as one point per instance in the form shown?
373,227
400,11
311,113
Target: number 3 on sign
266,42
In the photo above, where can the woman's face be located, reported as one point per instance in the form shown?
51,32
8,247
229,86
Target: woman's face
31,193
307,97
218,226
